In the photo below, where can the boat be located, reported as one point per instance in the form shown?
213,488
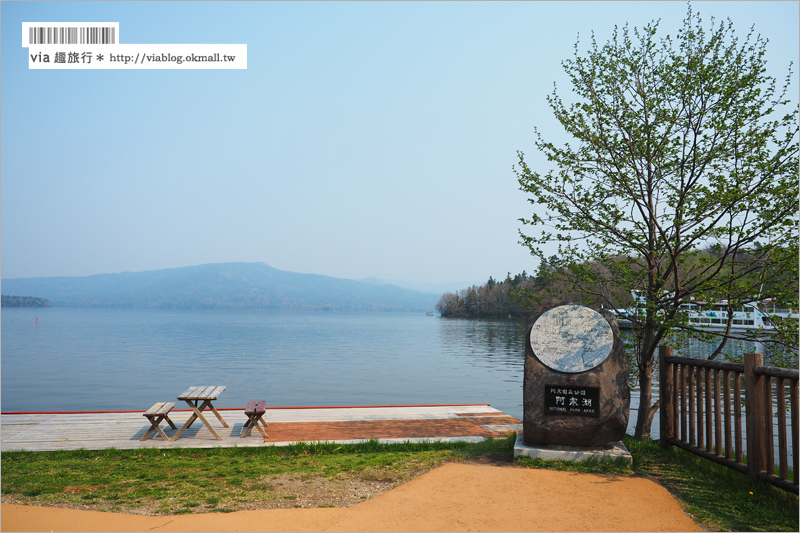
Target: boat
758,316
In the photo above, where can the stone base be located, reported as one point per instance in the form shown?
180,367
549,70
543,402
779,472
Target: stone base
615,451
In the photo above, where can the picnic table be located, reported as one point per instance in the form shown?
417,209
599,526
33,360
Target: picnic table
199,398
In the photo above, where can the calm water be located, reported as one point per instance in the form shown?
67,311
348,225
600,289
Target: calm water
120,359
75,359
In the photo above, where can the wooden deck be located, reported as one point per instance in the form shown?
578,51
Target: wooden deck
71,431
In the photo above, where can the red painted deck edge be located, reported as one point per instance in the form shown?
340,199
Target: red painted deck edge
241,408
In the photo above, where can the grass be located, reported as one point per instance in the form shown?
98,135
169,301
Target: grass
171,481
718,498
176,481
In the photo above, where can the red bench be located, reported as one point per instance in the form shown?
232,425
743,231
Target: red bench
255,411
157,413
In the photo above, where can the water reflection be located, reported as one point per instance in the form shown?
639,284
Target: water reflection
484,342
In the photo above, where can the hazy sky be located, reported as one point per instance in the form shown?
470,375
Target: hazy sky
364,139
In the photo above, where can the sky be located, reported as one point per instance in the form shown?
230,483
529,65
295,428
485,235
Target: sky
364,139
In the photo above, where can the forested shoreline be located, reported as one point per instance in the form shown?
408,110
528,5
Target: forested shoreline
592,285
495,299
24,301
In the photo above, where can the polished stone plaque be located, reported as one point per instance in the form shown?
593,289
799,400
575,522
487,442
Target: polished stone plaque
571,401
571,338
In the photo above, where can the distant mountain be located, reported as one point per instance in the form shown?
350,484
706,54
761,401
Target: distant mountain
223,286
422,286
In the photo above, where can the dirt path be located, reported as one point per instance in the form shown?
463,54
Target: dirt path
453,497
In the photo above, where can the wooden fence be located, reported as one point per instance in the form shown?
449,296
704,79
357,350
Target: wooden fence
701,411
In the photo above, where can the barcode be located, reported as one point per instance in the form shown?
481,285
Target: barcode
72,35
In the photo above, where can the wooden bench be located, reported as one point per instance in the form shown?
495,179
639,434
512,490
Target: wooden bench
157,413
255,411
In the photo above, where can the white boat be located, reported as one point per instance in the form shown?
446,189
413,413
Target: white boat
713,316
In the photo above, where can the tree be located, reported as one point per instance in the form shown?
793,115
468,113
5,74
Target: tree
677,151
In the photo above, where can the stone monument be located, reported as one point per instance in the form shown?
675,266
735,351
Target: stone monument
575,389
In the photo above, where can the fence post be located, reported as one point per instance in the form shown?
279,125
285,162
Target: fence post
754,415
666,394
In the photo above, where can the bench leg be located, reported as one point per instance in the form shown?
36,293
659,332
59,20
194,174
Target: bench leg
154,425
252,422
147,433
161,432
263,433
247,426
247,431
255,424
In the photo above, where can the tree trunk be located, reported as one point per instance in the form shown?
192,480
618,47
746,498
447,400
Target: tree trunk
647,409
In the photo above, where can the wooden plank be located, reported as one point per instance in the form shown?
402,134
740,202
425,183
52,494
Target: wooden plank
780,407
717,414
666,393
737,416
776,372
166,408
14,430
768,431
197,392
705,363
793,391
709,412
690,382
188,393
213,392
153,410
664,398
201,392
683,436
675,395
699,412
23,420
726,393
754,395
214,395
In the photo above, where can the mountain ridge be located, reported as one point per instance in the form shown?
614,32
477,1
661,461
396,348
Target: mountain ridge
220,285
421,286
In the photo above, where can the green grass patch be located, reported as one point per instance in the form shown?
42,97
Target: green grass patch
718,498
590,466
181,480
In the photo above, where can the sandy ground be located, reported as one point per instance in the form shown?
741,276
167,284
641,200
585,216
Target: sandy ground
453,497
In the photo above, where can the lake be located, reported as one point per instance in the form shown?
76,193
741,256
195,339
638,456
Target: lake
84,359
126,359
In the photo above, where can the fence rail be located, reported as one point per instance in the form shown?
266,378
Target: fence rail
701,411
